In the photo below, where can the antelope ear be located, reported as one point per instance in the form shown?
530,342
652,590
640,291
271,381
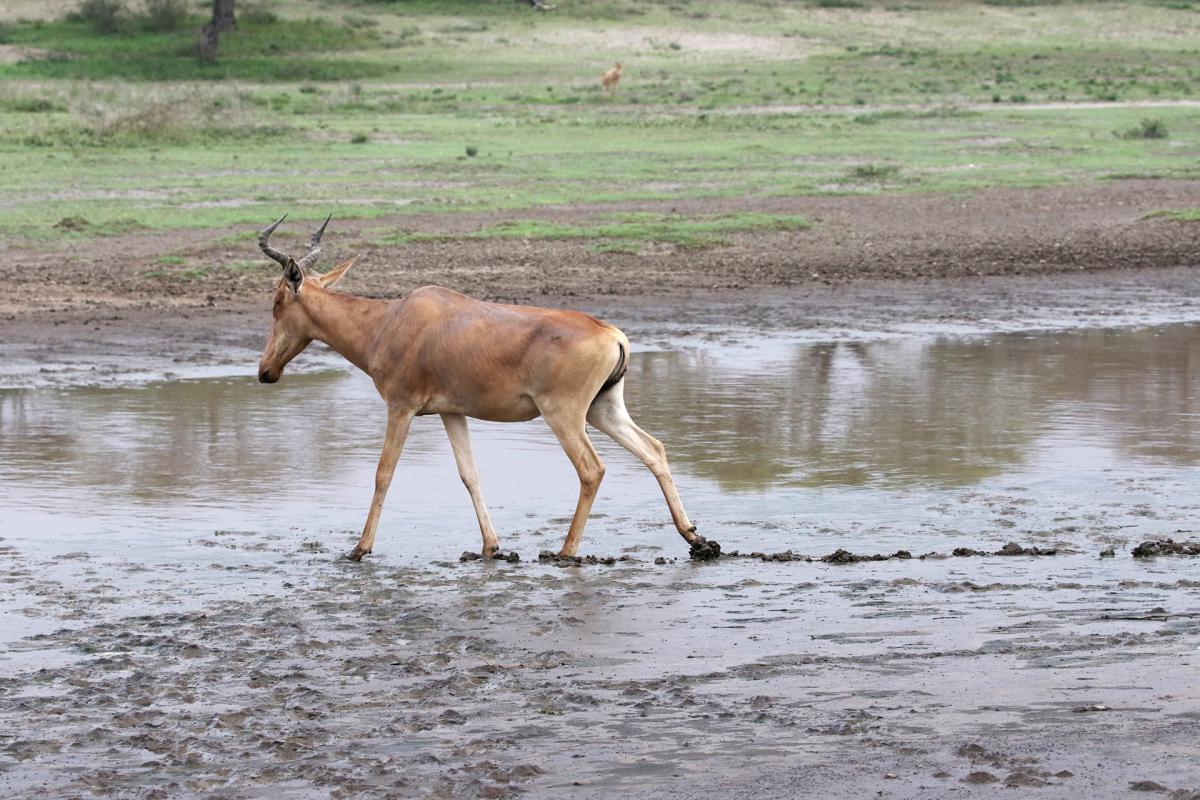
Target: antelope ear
293,276
334,275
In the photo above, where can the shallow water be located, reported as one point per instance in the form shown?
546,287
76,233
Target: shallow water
175,617
914,443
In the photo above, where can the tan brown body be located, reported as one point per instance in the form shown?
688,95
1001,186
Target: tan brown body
435,351
530,354
611,78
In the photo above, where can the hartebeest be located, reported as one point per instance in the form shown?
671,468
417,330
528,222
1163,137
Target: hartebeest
435,351
610,79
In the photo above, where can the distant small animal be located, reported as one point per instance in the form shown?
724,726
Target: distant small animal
610,79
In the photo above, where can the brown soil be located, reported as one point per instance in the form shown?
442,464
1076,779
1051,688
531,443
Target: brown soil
1101,226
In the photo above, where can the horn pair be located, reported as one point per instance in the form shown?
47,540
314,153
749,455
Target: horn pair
314,247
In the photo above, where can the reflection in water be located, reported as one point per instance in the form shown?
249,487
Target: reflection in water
170,438
884,426
909,412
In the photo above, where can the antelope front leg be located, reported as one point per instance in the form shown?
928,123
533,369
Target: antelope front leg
397,431
460,442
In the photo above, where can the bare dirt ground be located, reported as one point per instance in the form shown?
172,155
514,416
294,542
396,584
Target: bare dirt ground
1092,227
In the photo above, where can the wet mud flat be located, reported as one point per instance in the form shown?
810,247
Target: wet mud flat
177,620
1070,674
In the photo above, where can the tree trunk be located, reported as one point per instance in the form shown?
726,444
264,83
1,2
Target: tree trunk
210,34
223,15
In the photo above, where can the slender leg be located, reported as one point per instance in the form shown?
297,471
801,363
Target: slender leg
608,413
397,431
572,435
460,441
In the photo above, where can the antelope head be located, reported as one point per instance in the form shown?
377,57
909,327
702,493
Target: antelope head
292,328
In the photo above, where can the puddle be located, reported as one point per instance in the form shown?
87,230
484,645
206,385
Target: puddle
1081,438
172,596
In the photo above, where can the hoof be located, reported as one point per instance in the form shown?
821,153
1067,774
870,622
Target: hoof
356,554
558,558
705,549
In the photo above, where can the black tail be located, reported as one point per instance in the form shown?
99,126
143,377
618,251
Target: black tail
617,374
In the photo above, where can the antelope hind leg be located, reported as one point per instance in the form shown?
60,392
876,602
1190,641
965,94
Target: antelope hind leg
572,435
608,414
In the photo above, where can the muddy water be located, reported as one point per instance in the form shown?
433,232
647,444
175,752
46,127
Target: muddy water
857,445
176,620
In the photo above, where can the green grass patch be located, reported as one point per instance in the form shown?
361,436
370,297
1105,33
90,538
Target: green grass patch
199,273
31,105
273,50
875,172
378,109
414,163
1183,215
1145,129
615,247
79,226
624,231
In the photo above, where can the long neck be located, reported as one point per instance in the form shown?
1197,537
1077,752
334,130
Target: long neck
346,323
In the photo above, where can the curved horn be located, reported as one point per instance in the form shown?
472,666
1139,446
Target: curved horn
264,239
314,247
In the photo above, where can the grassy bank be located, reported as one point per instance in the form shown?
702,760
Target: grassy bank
378,108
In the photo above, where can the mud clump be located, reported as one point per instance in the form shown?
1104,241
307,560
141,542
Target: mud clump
980,777
1147,786
840,556
1166,547
549,557
1014,549
469,555
1021,778
786,555
705,549
1010,549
